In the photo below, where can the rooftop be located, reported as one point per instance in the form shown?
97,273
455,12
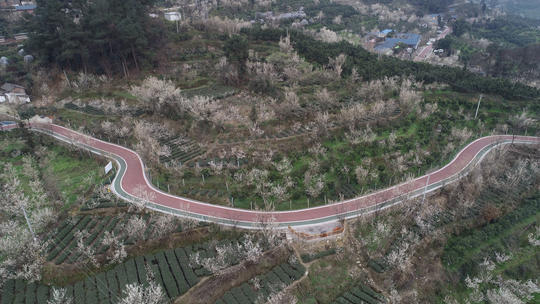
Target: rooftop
410,39
8,87
26,7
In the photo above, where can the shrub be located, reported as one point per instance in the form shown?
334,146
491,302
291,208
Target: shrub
168,279
177,271
306,258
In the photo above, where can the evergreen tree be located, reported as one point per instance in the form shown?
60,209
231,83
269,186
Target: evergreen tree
236,51
101,35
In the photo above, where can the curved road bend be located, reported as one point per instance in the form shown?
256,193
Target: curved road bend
131,178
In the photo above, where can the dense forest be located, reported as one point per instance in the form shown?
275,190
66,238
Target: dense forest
102,36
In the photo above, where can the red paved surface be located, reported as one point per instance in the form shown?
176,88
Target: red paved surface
135,177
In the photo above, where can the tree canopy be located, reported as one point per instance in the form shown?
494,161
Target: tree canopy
236,50
104,36
370,67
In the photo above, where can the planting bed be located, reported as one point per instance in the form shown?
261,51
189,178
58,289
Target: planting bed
170,268
360,294
271,282
182,150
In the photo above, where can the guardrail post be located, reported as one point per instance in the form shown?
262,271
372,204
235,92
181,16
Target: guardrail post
425,190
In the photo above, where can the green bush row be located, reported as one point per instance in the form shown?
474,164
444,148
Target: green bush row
456,248
308,257
171,269
280,276
168,279
177,272
360,294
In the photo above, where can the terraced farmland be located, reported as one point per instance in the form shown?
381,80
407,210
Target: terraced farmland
203,193
271,282
182,150
170,268
215,91
86,109
64,241
302,130
232,161
282,134
360,294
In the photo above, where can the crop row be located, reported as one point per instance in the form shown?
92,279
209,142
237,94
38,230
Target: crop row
271,282
377,265
63,244
360,294
96,202
171,269
223,161
182,150
203,193
65,237
308,257
86,109
212,91
17,291
282,134
303,130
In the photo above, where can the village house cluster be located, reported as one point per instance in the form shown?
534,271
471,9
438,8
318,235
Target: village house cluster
13,93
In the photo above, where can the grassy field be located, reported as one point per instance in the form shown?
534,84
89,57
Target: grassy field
66,173
327,279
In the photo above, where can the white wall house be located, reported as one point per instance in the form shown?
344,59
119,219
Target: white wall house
12,93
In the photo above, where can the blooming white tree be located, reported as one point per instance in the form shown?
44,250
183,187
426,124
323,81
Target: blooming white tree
248,248
136,227
534,238
87,252
337,64
117,252
156,93
59,296
136,293
163,225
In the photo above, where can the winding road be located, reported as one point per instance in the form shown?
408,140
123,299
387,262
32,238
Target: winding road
131,184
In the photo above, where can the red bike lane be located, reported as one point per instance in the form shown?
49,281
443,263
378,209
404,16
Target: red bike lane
134,180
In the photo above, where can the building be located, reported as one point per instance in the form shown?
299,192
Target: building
409,39
13,93
26,8
433,18
172,16
7,125
384,33
21,36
